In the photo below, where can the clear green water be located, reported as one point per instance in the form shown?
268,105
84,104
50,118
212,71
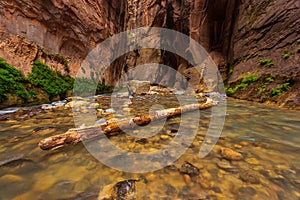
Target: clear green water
268,138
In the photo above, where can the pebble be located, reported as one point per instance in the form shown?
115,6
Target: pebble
237,146
250,176
252,161
244,143
110,110
230,154
187,179
190,169
208,141
100,121
164,137
94,105
225,165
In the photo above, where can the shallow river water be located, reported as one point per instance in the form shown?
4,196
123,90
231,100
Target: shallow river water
267,138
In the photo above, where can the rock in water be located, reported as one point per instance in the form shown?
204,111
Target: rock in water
124,190
190,169
230,154
250,176
13,161
139,87
225,165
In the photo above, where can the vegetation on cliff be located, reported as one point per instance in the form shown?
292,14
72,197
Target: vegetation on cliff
11,81
50,81
42,78
245,82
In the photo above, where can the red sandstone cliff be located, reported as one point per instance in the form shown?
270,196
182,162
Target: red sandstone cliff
68,28
238,34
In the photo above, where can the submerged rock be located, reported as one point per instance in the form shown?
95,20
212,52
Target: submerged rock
13,160
110,111
164,137
190,169
230,154
225,165
245,192
124,190
252,161
250,176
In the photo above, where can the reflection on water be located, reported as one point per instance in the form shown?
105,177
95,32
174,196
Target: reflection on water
267,138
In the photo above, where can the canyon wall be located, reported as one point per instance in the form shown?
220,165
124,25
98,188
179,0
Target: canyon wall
245,38
64,27
265,43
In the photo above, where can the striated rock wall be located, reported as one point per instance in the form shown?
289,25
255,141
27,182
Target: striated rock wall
239,36
266,30
65,27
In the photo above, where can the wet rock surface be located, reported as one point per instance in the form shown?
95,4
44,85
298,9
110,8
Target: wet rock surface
250,176
124,190
227,166
190,169
230,154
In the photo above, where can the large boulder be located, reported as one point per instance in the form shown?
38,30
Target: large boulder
137,87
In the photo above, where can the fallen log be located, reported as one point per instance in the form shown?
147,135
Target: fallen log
76,135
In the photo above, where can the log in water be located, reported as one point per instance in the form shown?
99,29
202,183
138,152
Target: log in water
76,135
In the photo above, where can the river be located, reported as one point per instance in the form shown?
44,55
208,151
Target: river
268,139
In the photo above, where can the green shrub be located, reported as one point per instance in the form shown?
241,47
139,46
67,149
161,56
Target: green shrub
82,85
266,62
280,89
53,83
286,56
266,82
244,83
104,88
298,50
231,91
269,79
250,78
11,81
298,41
85,85
32,93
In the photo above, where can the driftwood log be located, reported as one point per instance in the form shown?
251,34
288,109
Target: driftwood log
76,135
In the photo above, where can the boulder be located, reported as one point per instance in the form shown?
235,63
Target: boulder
137,87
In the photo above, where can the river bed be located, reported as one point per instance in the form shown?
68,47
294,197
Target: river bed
267,138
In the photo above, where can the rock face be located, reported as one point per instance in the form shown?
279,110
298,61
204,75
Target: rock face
267,30
240,36
63,27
